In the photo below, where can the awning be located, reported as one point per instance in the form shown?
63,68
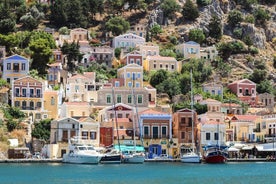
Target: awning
247,147
233,149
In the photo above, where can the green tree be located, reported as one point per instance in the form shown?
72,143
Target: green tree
42,130
11,125
73,54
155,30
258,76
7,21
58,16
215,27
117,25
75,16
203,2
41,54
190,11
234,17
196,35
170,86
158,77
169,8
265,86
117,52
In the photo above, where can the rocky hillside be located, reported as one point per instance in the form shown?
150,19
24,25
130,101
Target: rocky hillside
261,36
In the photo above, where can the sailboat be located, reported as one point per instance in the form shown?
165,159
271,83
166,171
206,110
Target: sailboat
191,156
133,155
112,155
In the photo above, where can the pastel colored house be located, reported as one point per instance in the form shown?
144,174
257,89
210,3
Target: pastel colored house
267,100
132,75
212,133
15,67
75,109
139,29
82,87
245,90
56,75
127,41
27,94
189,49
133,57
119,119
156,130
84,130
182,129
160,62
208,53
213,89
100,55
148,49
51,103
243,127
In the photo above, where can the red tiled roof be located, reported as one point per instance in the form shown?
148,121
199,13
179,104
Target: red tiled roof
76,103
151,111
213,122
244,117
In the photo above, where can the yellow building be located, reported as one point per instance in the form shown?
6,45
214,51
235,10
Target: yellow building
159,62
51,104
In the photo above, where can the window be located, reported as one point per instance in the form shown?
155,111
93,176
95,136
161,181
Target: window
128,75
155,132
154,65
172,67
140,99
119,98
16,67
77,88
32,105
182,120
164,131
208,136
24,92
24,105
17,103
240,90
138,62
131,60
38,93
137,84
182,135
17,92
161,66
38,104
52,101
129,84
108,99
129,99
84,135
138,75
93,135
8,66
216,136
117,84
120,115
37,116
146,131
190,122
31,92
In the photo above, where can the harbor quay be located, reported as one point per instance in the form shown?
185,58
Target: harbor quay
59,160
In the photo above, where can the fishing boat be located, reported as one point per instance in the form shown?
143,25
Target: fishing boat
215,155
81,154
191,156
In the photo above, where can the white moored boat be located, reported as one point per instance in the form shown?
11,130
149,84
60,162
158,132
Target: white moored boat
81,154
190,157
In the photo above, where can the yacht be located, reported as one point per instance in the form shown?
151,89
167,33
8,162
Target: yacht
81,154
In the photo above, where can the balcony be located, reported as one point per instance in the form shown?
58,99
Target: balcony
156,137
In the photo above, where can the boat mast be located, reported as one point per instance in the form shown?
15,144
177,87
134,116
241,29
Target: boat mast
134,105
116,122
192,109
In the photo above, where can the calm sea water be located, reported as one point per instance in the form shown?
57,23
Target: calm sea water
167,173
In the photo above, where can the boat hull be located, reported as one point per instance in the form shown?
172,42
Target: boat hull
81,159
134,159
190,159
216,159
111,159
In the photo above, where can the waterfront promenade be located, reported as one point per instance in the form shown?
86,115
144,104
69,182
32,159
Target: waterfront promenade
59,160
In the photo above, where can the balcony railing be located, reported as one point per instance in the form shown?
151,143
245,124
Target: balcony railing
27,95
156,137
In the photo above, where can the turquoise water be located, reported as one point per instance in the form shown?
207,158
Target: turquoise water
34,173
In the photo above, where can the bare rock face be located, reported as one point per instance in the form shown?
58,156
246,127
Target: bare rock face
257,35
270,31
